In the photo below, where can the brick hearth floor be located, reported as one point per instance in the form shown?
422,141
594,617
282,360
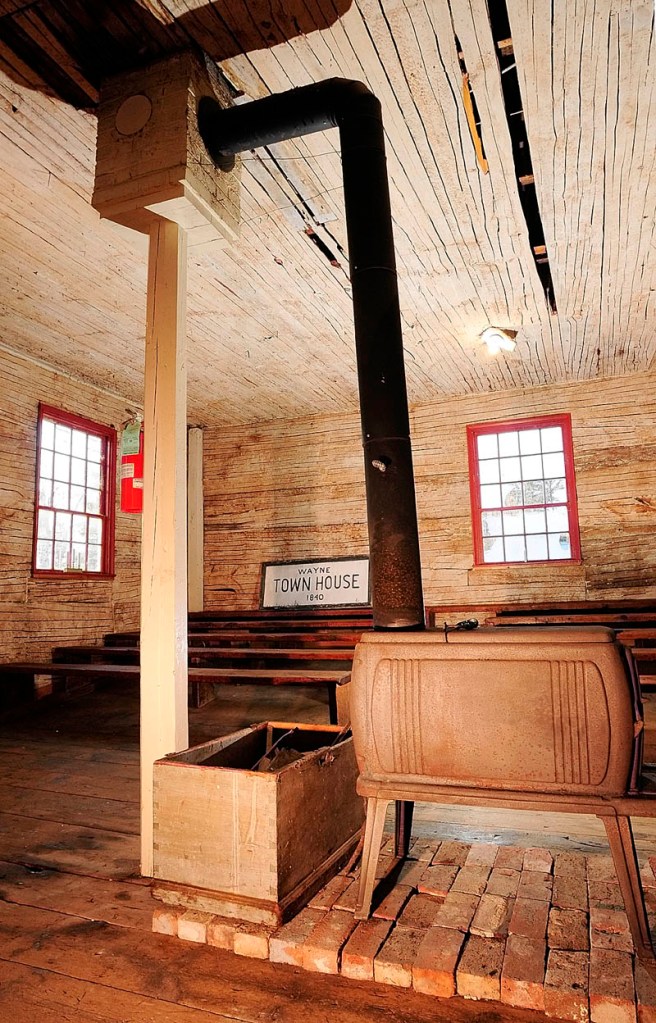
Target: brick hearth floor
526,927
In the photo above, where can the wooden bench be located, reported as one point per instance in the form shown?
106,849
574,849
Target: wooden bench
197,676
318,615
633,622
237,637
249,657
633,614
288,625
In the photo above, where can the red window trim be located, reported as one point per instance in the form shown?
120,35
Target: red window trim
108,510
564,420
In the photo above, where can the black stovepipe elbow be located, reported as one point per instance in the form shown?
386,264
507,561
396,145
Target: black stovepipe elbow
396,592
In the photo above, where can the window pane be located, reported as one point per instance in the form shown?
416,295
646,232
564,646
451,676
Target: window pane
509,443
510,470
61,556
488,471
45,466
79,556
552,438
515,548
79,528
95,530
78,471
62,441
46,526
554,465
94,448
60,495
557,519
535,520
45,492
511,494
532,467
513,522
62,468
93,501
487,445
77,499
94,561
43,554
555,491
47,433
536,548
491,522
559,546
534,492
529,442
491,496
79,444
62,526
93,475
493,549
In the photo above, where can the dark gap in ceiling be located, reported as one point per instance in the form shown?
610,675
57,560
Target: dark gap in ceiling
500,23
322,247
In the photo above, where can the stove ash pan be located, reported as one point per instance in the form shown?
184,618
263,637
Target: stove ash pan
544,710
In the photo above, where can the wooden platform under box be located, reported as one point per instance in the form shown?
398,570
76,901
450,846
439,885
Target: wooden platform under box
240,842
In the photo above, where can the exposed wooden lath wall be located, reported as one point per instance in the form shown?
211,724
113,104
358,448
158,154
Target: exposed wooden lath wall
278,492
37,614
270,318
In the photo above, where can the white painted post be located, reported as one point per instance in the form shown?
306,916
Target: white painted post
164,721
195,520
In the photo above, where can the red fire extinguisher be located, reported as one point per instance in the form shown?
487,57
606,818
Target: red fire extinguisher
132,461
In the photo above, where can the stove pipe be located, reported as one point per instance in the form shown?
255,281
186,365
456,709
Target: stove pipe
391,511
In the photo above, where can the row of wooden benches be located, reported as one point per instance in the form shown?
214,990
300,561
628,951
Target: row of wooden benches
316,647
634,622
252,647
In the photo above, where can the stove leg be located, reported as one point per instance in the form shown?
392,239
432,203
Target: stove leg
403,827
373,836
622,847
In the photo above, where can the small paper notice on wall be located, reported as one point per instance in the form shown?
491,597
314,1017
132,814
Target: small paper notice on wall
130,438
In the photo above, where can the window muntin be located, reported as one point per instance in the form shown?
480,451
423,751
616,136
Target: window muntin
74,514
523,491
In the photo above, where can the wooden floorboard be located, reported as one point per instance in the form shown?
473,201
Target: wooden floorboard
87,851
122,903
67,776
109,814
75,938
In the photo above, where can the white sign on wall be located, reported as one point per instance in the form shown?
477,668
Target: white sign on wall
334,582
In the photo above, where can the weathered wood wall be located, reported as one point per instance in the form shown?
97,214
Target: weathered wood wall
296,490
36,614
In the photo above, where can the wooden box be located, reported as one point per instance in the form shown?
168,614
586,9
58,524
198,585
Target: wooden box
241,843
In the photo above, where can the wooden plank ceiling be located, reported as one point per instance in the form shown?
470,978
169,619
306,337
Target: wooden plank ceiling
270,317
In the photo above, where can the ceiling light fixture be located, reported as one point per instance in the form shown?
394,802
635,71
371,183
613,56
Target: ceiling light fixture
499,340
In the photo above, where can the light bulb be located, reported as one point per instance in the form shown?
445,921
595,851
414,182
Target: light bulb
498,340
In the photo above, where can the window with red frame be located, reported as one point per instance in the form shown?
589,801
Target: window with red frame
523,491
74,508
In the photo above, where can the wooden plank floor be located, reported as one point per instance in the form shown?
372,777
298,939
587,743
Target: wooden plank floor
75,916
